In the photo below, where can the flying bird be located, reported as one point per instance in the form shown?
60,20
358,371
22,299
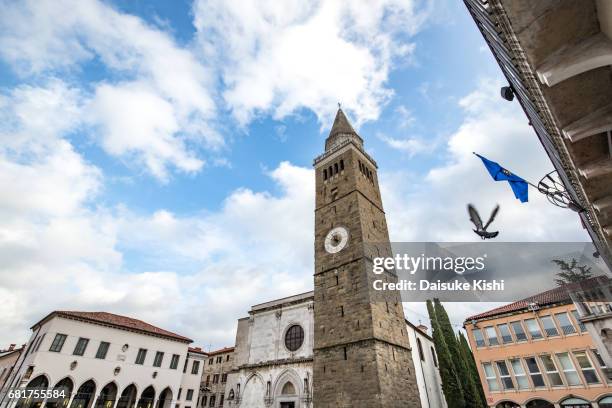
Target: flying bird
480,230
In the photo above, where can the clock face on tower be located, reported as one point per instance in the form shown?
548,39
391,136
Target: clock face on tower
336,240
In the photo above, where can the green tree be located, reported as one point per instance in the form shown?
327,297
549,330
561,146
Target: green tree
468,388
468,357
571,272
451,385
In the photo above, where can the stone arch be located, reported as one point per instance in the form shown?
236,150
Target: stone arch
85,394
604,400
538,402
254,391
165,398
287,375
39,381
107,395
127,398
147,397
507,404
572,400
65,385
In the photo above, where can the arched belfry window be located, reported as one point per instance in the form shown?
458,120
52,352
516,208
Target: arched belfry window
294,338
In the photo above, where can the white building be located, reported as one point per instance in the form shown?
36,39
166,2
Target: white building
273,358
273,355
104,360
425,361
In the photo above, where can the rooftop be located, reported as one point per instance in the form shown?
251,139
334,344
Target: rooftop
558,295
116,321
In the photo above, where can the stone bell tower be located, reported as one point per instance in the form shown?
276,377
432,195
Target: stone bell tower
361,351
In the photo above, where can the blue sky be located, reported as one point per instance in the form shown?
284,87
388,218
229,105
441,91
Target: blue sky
157,155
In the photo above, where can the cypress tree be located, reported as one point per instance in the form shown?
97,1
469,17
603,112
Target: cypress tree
470,394
451,385
471,364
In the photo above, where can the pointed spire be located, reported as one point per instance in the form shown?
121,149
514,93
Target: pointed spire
341,124
341,130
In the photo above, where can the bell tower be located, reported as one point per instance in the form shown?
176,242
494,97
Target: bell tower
362,355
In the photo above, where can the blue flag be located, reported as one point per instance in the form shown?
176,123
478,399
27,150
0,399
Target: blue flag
519,186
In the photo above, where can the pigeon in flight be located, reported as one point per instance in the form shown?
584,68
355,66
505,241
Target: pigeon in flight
480,230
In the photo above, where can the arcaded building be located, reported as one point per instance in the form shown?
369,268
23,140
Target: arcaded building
104,360
536,353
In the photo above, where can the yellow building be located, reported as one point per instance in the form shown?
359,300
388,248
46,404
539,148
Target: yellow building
535,353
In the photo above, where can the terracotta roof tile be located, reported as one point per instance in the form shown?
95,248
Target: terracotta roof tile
558,295
221,351
118,321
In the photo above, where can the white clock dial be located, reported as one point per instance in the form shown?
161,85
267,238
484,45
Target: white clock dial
336,240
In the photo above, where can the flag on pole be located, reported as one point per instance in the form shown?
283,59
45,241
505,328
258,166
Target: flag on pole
519,185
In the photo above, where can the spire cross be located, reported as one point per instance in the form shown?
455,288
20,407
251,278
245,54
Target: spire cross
339,105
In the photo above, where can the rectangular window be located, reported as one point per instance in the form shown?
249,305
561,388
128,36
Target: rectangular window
221,398
207,380
549,326
588,371
195,367
478,337
189,395
174,361
159,357
211,361
551,370
581,325
569,371
504,375
102,350
178,397
490,376
491,335
216,379
519,374
142,354
219,359
58,342
185,365
223,378
533,328
564,322
80,347
518,330
534,372
505,333
39,342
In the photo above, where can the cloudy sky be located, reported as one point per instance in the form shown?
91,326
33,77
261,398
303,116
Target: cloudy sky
156,156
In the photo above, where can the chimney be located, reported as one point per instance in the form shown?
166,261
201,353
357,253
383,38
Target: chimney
422,328
11,347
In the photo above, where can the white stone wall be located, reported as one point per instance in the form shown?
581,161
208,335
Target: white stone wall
262,362
427,373
56,366
191,380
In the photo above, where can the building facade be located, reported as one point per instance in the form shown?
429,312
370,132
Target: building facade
536,353
426,368
273,358
8,358
104,360
214,377
273,355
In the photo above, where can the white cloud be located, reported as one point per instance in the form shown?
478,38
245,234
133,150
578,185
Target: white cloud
161,100
410,145
433,207
277,57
